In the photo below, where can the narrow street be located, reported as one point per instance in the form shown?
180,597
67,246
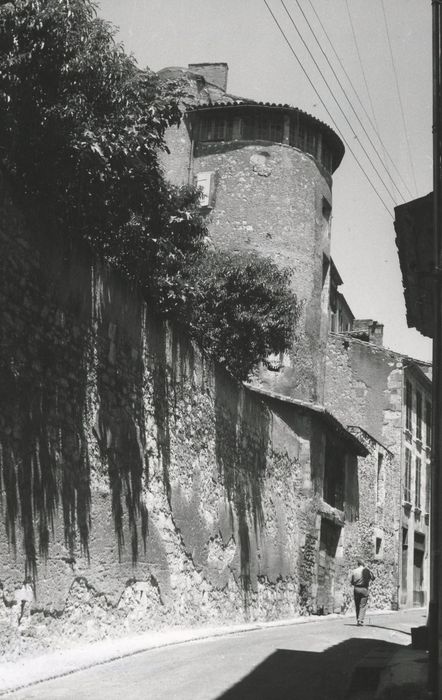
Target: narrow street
313,661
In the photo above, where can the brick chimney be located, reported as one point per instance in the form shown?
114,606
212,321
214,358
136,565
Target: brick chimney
214,73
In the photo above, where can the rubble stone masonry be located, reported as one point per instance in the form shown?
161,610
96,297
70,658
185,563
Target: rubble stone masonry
141,487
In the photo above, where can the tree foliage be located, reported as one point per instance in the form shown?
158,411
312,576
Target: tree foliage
81,130
241,308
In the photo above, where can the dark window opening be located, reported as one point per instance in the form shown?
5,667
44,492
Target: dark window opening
327,159
380,479
417,495
326,209
300,141
334,475
418,415
404,564
418,569
310,145
408,405
428,425
216,129
247,131
407,479
276,132
378,545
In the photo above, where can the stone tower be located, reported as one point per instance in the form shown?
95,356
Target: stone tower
266,175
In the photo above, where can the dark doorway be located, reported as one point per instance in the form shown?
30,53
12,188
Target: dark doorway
328,544
418,569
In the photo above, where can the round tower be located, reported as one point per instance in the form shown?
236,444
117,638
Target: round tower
265,171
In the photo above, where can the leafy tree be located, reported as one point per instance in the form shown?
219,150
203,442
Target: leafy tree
81,130
80,134
241,308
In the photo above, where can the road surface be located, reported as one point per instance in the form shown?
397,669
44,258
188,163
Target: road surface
312,661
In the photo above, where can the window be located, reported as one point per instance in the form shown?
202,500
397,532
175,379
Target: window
204,181
408,405
380,490
378,546
327,158
216,129
417,495
247,131
326,209
292,134
310,146
418,415
428,421
334,475
276,131
262,129
301,136
407,480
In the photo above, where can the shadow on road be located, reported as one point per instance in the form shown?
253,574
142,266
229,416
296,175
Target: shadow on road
302,675
392,629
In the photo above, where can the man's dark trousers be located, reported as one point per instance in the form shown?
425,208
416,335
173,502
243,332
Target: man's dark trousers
361,600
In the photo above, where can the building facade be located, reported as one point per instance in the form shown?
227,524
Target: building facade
265,172
390,395
416,481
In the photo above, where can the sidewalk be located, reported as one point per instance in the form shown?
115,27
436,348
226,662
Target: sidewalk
30,670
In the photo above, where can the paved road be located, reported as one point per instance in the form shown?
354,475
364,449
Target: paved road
311,661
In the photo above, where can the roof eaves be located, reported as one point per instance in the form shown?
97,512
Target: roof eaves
370,437
320,411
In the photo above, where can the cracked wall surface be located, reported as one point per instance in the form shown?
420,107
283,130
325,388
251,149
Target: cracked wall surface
141,487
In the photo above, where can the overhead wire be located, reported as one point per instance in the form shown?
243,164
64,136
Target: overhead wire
348,99
393,199
387,208
361,64
369,119
399,96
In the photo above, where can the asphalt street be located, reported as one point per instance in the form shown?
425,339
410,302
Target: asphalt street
312,661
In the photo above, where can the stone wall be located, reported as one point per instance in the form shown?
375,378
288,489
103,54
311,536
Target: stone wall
270,198
379,513
364,387
141,487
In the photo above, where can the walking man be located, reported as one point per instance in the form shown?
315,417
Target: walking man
360,580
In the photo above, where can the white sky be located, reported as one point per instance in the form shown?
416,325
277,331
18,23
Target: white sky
242,33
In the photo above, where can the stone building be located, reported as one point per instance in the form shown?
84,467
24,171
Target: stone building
265,172
141,486
390,395
266,175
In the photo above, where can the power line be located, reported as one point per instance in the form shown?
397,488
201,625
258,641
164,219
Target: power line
348,100
373,126
399,96
327,110
361,63
393,199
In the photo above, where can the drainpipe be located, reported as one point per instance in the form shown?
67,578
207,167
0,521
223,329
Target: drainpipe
436,496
